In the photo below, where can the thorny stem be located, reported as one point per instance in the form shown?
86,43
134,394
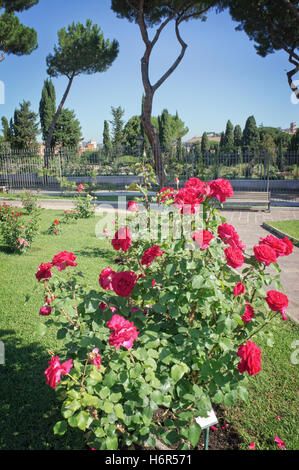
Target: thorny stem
260,328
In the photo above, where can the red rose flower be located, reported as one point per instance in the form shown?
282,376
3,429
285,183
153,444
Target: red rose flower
188,200
64,259
164,194
102,306
202,238
44,271
239,289
105,278
249,313
199,186
55,370
124,282
122,239
46,310
221,189
250,354
234,257
80,188
288,245
132,206
275,243
278,302
56,222
123,332
150,254
264,254
229,235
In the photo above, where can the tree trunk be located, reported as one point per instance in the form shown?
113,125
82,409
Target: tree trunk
53,123
153,136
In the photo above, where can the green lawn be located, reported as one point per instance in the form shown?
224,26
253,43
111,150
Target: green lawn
29,408
273,392
290,227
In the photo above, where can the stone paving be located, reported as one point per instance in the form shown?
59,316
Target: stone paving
249,227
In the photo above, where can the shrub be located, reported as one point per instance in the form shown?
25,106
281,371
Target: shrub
83,205
55,228
175,329
29,202
17,233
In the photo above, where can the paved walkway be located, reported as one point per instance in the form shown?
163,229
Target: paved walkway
249,227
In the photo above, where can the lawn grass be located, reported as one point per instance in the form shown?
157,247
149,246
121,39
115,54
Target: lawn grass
273,392
290,227
29,408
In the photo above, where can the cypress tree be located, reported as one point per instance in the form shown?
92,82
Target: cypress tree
165,131
250,139
229,137
237,137
221,143
117,128
205,144
47,108
106,139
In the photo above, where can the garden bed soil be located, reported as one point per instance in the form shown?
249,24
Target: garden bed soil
224,437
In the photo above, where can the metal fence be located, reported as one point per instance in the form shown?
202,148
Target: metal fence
256,171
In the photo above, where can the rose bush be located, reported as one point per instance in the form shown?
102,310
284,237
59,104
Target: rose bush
176,328
17,232
55,228
83,204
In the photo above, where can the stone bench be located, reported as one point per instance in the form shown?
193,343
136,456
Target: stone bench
249,198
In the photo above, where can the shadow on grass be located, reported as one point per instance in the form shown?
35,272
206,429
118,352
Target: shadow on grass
28,406
94,253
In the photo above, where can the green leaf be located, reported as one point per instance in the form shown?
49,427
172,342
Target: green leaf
108,407
119,411
60,428
61,334
110,379
177,371
147,415
111,443
82,420
194,434
225,344
243,393
198,282
157,397
171,437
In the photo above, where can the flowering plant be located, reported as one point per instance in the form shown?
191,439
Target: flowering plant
174,329
55,228
83,204
18,233
68,216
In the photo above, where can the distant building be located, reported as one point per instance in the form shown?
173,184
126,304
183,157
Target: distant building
90,145
291,130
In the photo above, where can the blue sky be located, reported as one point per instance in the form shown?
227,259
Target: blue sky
221,77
